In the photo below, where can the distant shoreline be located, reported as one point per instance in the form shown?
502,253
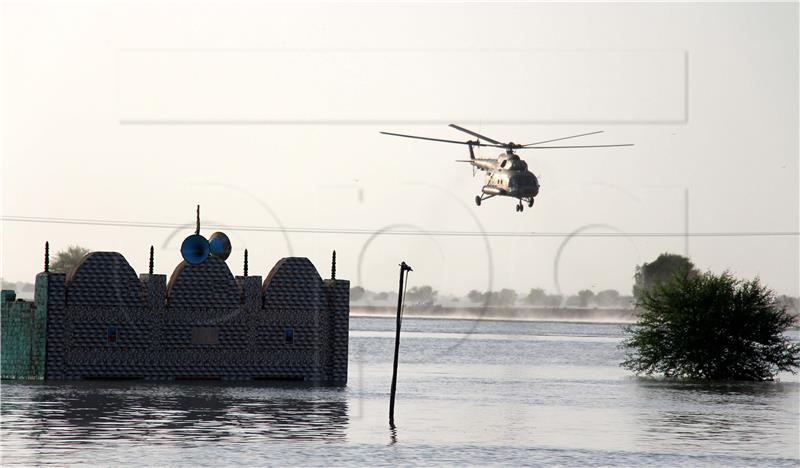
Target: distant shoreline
522,314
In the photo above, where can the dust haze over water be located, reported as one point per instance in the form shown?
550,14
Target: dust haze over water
268,115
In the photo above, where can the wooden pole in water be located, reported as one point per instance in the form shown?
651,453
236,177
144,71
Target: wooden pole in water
404,269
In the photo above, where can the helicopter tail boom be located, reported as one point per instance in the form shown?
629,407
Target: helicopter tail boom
482,164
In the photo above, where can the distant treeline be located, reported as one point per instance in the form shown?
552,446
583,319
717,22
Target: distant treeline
426,296
646,276
22,289
536,297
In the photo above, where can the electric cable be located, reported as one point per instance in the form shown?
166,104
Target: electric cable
398,232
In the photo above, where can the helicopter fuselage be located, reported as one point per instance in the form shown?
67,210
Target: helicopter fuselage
516,184
508,175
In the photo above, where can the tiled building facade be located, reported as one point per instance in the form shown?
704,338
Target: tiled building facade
102,321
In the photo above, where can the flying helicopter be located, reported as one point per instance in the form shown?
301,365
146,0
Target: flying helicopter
507,175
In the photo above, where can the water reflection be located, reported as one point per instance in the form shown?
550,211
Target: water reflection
91,412
716,415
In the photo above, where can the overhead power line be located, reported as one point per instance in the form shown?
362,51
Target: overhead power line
394,232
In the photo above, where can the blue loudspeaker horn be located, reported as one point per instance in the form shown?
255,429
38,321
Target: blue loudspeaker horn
220,245
195,249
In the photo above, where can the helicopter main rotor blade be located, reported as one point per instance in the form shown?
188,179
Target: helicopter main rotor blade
471,143
581,146
478,135
563,138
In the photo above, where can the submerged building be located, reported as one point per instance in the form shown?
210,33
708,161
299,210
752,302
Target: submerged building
101,321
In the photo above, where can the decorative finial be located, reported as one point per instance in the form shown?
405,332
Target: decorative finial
46,256
333,266
151,260
197,231
245,263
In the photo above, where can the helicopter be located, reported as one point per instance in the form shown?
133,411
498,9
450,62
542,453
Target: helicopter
507,175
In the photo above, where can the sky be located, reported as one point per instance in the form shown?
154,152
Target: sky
268,115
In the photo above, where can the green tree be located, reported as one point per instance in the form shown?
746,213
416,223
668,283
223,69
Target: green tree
607,298
476,296
504,297
382,296
424,295
660,270
553,300
625,302
792,304
585,296
535,297
65,260
356,293
573,301
707,326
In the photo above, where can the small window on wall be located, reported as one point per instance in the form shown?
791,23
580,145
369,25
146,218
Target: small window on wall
111,335
205,335
288,334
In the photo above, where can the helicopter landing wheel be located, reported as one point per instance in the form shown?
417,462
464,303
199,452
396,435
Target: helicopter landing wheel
519,207
530,203
478,200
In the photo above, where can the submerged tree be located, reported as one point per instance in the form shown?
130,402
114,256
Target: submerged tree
658,271
708,326
422,295
585,296
66,259
476,296
535,297
607,298
356,293
553,300
504,297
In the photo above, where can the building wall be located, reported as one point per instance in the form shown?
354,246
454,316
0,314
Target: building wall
103,322
23,327
338,297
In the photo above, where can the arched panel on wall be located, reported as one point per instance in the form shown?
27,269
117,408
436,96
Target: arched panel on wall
103,279
293,283
209,284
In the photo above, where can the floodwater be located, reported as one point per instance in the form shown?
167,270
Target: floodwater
477,393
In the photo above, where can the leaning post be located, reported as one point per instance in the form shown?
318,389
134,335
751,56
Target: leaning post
404,269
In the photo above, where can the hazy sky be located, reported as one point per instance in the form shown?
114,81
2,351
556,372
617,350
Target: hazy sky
268,114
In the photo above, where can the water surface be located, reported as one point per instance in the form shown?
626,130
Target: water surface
488,393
